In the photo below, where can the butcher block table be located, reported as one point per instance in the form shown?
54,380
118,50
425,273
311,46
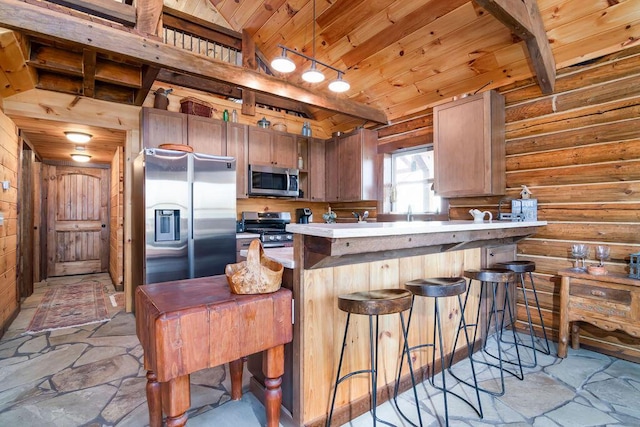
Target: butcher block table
189,325
609,301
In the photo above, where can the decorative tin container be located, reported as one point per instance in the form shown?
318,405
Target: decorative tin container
524,210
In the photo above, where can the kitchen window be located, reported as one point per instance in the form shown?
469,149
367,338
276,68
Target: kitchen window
411,189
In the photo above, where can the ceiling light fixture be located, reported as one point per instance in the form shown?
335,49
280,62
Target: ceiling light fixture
82,158
284,64
78,137
339,85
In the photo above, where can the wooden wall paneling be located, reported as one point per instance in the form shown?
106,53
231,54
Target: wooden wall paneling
9,150
606,132
605,152
585,174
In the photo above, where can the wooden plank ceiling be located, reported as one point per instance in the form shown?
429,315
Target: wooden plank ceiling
401,57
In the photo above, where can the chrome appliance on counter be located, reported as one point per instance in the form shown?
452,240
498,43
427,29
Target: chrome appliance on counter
270,226
184,215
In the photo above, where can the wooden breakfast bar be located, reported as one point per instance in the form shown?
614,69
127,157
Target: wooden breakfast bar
336,259
189,325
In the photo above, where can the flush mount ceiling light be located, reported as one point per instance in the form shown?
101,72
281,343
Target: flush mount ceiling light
82,158
284,64
78,137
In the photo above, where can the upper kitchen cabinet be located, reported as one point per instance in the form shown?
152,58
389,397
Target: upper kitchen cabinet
311,164
269,147
162,127
205,135
237,136
350,167
469,146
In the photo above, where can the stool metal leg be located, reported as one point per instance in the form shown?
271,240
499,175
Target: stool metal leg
407,350
338,379
506,307
546,350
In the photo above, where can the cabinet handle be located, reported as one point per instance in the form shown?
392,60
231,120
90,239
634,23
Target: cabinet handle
598,293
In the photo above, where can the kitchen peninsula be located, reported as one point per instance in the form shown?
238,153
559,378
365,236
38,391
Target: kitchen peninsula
334,259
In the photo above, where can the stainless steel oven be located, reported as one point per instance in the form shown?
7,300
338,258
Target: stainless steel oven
273,181
270,226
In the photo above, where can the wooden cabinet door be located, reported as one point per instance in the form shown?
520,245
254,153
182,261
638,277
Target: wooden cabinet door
163,127
469,146
77,220
207,136
349,159
332,176
316,166
260,146
283,150
237,147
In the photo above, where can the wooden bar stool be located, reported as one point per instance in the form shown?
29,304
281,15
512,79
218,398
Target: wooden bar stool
521,268
373,304
439,287
494,277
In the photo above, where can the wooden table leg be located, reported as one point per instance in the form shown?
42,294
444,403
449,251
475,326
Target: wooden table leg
235,369
176,400
564,317
575,335
154,401
273,369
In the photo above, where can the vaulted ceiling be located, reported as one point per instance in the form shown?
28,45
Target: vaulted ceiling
401,57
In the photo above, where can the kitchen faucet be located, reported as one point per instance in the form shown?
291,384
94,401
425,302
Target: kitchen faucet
409,214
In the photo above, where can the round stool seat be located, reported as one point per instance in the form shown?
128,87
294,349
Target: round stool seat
518,266
437,286
379,301
497,275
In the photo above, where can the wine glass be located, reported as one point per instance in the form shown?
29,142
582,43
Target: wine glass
584,253
602,253
576,252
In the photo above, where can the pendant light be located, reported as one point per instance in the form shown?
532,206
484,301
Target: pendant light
312,75
339,85
284,64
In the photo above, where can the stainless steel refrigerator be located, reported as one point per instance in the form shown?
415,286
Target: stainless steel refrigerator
184,207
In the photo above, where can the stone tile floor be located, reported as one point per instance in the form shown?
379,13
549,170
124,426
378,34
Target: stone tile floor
93,376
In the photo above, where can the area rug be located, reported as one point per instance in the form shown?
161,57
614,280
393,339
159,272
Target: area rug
70,306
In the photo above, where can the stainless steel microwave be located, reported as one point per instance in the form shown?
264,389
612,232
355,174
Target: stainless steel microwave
273,181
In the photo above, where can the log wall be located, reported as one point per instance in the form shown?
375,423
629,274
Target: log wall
578,151
9,152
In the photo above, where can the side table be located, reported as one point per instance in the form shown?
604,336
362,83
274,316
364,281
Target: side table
189,325
609,301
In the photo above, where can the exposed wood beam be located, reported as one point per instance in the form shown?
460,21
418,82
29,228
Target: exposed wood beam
112,10
248,62
149,14
193,25
35,20
89,57
149,75
523,18
224,89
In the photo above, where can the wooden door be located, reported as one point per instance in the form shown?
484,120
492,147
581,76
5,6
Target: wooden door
77,220
207,136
